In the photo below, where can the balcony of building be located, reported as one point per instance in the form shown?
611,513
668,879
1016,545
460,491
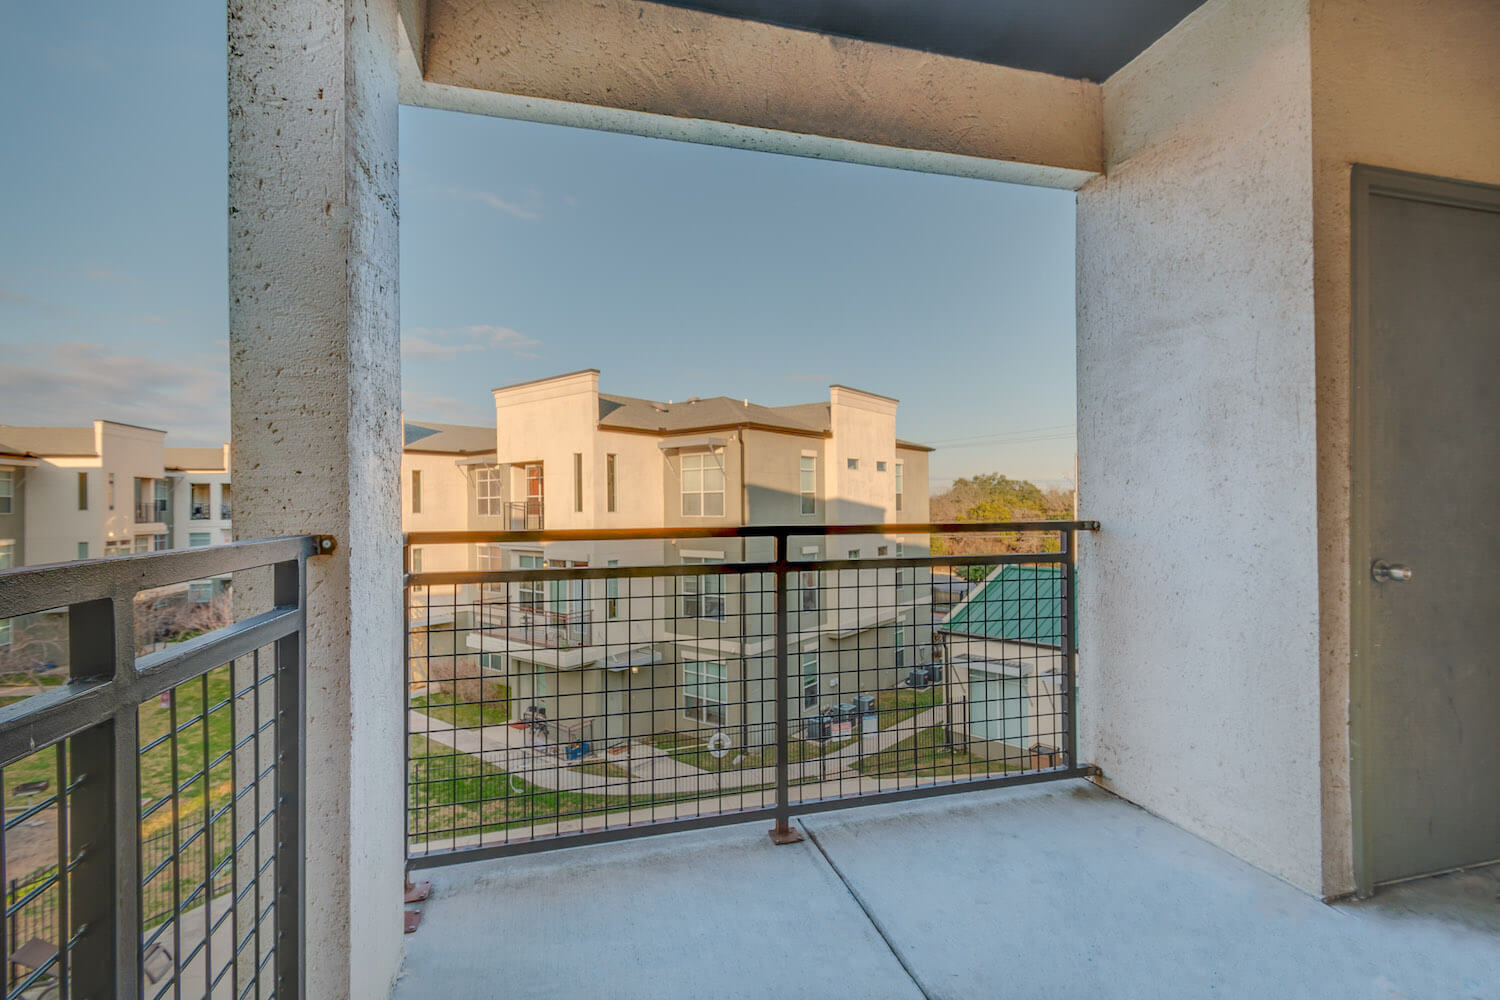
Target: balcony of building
1177,836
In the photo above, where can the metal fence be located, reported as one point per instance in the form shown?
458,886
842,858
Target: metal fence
154,802
723,674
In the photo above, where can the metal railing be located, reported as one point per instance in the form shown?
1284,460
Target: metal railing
728,674
543,627
524,515
153,831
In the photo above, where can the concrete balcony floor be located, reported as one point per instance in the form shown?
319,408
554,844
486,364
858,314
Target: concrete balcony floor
1044,891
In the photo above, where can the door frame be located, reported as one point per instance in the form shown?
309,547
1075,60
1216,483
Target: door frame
1367,182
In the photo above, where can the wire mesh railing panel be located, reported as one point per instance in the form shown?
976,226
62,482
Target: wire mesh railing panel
568,687
151,845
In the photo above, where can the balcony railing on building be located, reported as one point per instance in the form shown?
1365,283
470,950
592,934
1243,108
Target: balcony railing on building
563,700
524,515
536,626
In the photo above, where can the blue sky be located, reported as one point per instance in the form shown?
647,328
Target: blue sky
527,250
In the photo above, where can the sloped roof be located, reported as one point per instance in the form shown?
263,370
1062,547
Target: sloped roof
1016,604
630,413
448,439
47,441
199,459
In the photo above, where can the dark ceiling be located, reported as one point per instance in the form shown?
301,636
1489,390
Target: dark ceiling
1087,39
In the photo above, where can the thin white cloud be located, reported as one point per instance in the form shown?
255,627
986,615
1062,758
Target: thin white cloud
71,384
529,210
445,409
446,344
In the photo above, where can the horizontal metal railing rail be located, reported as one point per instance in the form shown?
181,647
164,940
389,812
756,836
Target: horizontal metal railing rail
511,767
108,945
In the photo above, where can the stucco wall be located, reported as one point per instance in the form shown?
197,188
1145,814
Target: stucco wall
1413,86
1199,626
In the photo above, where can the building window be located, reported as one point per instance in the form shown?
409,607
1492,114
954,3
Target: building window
854,553
538,681
160,543
201,503
577,482
162,495
705,690
489,558
808,474
853,463
487,491
142,544
609,483
7,491
7,556
702,596
119,547
883,550
612,592
809,591
879,466
531,593
226,506
416,560
198,539
416,491
83,550
703,484
809,679
83,495
900,645
900,484
201,592
145,506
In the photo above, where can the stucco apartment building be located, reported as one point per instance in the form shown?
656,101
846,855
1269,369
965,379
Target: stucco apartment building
659,654
109,489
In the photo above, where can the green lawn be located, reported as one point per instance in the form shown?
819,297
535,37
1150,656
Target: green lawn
606,768
453,794
179,763
899,704
492,710
927,754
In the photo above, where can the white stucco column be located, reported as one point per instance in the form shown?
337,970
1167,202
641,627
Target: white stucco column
315,397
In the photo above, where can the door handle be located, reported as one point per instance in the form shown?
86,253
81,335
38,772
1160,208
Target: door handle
1384,572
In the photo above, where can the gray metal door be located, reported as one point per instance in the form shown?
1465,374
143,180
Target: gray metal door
1426,532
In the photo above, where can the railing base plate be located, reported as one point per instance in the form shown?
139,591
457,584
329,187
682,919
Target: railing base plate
416,892
785,835
412,919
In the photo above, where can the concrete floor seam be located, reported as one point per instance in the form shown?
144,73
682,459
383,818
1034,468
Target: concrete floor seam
865,909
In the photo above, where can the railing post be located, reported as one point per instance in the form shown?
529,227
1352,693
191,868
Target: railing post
104,908
782,832
289,589
1070,651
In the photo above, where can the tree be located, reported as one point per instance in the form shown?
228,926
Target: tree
993,496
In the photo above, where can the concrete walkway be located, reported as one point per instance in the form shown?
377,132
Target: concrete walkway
652,770
1045,891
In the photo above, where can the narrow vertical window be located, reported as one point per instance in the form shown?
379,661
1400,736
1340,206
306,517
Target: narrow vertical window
83,550
612,592
416,560
809,679
416,491
83,498
7,490
900,484
808,474
578,482
609,483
